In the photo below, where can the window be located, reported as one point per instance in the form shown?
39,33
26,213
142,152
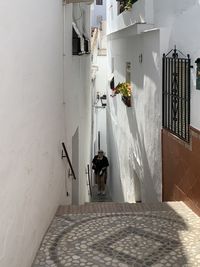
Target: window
176,94
99,2
77,41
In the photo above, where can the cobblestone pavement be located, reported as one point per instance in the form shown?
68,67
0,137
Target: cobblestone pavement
158,235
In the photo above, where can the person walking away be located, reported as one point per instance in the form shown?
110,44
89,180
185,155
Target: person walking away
100,164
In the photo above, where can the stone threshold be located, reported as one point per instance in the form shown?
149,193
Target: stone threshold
111,207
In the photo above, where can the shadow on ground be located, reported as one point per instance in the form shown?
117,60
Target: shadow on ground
140,236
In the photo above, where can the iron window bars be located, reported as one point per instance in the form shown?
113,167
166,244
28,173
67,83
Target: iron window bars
80,43
176,93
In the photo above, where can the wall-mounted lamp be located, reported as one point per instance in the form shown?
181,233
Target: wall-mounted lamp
102,99
198,74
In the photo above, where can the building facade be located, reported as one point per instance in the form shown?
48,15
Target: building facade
45,100
99,77
98,10
148,163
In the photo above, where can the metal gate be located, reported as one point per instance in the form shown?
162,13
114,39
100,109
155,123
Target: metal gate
176,93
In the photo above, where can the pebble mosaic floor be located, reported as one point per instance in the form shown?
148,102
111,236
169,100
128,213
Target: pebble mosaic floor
164,238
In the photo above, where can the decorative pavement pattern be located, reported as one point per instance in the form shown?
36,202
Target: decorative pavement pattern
100,235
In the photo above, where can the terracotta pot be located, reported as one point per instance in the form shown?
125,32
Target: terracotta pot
127,100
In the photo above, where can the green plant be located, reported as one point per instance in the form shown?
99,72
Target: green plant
128,5
124,89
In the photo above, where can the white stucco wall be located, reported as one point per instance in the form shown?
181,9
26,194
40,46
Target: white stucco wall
77,96
142,12
31,115
99,114
171,23
101,74
179,25
43,100
134,145
101,86
98,10
100,126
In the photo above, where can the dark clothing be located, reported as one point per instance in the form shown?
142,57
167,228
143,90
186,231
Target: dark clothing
99,164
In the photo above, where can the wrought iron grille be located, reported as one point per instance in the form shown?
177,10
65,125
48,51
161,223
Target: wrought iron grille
176,93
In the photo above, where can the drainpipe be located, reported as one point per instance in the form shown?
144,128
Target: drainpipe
63,96
92,126
64,54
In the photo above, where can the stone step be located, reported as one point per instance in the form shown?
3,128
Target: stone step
113,207
100,198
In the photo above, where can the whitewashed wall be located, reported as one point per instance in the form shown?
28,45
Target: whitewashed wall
100,87
134,145
36,115
100,122
171,23
100,114
31,116
179,22
77,97
98,10
142,12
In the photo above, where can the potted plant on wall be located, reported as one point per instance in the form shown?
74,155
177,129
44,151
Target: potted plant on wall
125,90
126,4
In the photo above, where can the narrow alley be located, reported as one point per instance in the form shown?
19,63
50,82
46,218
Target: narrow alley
100,133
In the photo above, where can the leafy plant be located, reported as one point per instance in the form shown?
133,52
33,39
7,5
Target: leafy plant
123,89
128,5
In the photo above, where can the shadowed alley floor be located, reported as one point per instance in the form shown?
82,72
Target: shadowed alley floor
100,198
114,234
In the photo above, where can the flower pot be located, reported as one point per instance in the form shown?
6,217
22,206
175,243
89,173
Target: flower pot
127,100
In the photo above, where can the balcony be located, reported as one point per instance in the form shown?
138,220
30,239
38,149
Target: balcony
124,5
123,14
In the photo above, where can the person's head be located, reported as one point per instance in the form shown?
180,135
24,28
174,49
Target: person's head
100,153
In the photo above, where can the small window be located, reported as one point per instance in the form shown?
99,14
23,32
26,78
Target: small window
77,41
99,2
